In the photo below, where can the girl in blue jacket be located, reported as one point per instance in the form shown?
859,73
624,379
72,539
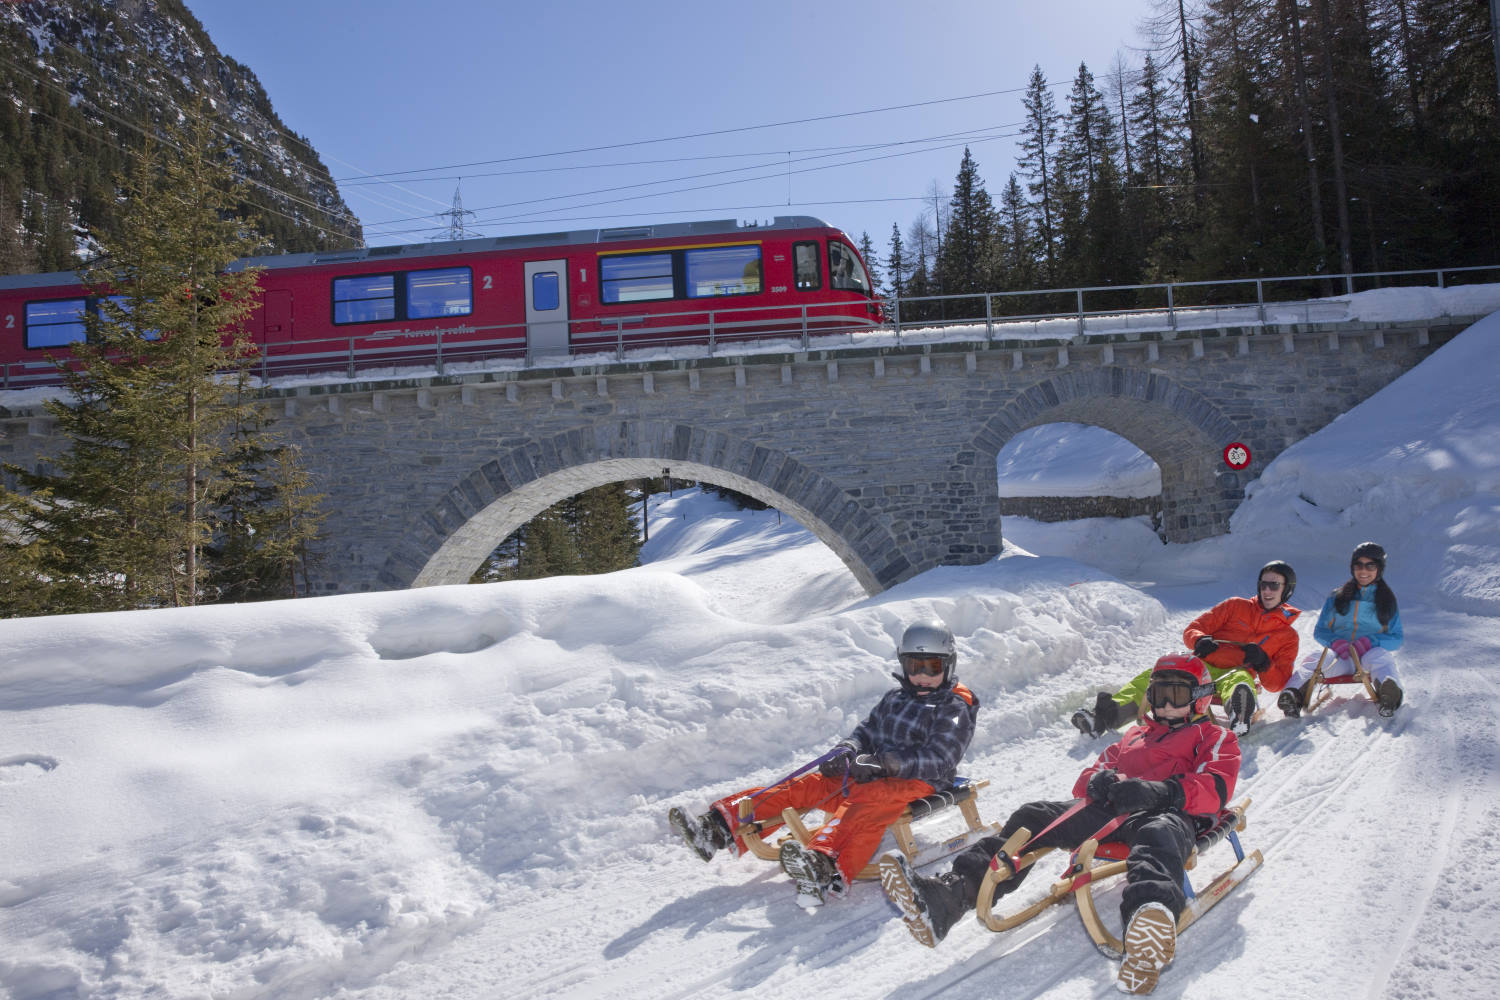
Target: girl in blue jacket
1361,617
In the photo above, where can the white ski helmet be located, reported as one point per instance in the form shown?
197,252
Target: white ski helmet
929,638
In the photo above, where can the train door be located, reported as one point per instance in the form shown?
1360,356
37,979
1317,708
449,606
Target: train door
546,307
275,317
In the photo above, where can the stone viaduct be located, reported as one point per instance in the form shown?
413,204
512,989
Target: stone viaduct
886,454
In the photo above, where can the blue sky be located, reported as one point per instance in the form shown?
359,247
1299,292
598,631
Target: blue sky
462,91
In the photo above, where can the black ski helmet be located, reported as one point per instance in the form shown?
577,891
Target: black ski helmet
1287,573
1371,551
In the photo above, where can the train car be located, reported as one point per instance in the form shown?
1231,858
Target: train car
539,297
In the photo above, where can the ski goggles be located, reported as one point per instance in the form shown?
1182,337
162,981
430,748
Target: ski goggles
1175,692
923,666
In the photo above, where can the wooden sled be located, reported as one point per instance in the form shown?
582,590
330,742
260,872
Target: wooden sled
962,794
1094,862
1320,688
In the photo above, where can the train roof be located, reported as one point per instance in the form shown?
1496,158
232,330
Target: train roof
669,230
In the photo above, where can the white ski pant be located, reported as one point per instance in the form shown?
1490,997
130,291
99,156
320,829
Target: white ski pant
1380,664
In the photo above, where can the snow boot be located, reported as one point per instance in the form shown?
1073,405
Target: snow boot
1150,942
1241,708
1389,694
816,875
1290,703
1110,714
1083,721
929,906
706,835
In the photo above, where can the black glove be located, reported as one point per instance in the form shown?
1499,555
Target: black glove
1204,647
1100,784
838,765
1134,795
1256,658
869,766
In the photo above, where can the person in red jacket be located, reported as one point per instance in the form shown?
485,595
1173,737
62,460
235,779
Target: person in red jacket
1162,774
1242,639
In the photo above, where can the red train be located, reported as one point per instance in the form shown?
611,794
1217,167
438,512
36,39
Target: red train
537,297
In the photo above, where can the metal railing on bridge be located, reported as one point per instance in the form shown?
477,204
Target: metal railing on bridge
1043,314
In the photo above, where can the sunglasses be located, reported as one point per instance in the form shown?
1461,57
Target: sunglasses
1365,564
928,666
1270,585
1178,694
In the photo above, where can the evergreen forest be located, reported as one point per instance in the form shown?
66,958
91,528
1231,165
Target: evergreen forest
1256,138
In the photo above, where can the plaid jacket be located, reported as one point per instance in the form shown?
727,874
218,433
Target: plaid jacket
928,734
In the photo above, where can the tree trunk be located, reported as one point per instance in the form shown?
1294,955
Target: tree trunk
1336,135
1292,31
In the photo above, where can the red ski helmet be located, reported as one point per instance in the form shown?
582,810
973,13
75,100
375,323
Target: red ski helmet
1184,667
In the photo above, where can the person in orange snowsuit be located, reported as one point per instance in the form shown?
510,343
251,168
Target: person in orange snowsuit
907,748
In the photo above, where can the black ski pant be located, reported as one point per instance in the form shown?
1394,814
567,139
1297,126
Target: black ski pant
1160,843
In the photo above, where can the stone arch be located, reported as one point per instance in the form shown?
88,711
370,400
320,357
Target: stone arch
1179,428
450,540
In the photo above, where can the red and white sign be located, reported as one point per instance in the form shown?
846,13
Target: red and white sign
1237,456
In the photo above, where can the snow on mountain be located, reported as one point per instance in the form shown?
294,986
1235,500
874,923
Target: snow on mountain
461,791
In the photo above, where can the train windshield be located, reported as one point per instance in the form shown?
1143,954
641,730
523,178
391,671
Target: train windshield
845,270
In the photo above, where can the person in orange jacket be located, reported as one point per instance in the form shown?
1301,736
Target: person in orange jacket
1242,639
1147,790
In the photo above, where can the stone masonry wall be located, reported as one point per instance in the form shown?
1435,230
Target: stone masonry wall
886,454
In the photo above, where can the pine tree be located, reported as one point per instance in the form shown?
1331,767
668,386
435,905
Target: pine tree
268,519
872,262
606,532
122,518
967,262
549,548
1038,152
895,261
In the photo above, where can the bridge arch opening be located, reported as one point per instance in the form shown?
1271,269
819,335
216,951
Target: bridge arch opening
464,549
1068,471
1180,430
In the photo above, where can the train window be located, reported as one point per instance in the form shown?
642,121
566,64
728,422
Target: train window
844,269
445,292
715,271
635,277
545,296
805,271
365,298
122,303
55,324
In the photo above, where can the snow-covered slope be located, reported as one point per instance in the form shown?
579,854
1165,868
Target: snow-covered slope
460,792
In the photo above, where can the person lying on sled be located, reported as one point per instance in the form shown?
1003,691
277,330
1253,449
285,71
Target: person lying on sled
1174,766
908,747
1240,639
1363,616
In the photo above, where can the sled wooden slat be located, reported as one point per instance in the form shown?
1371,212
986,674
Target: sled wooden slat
1093,864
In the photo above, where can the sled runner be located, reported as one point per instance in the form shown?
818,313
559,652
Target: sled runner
961,794
1093,862
1325,692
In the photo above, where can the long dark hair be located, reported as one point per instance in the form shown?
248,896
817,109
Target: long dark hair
1385,599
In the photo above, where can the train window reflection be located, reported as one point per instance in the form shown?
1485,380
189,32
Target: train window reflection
364,299
722,271
446,292
544,291
53,324
806,273
640,277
